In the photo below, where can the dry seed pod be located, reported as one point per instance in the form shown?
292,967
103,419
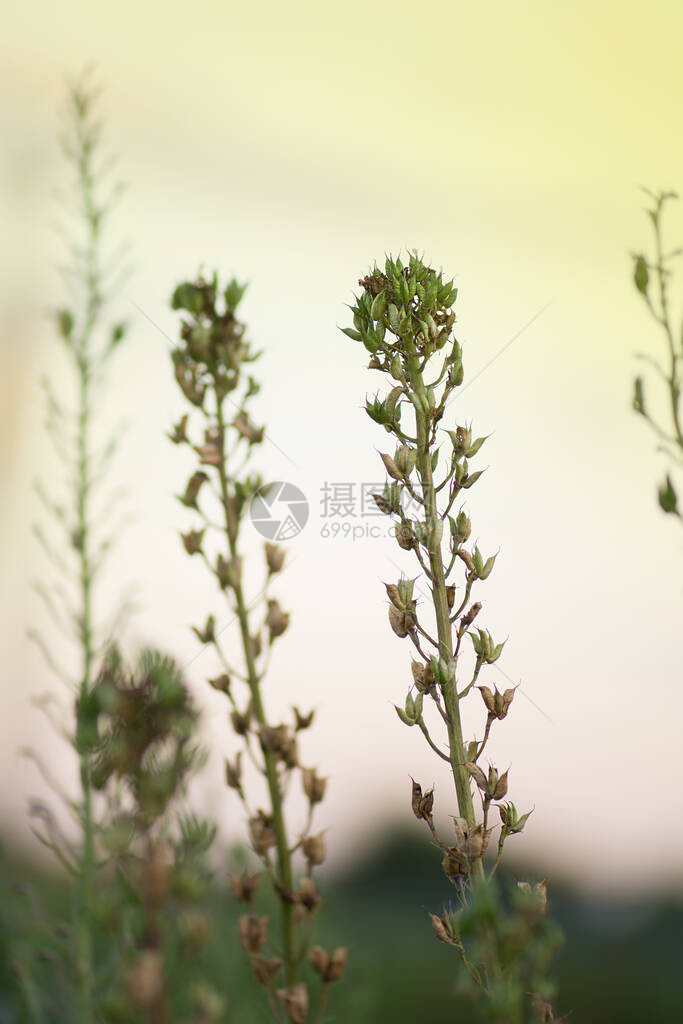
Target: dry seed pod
401,622
264,969
192,541
244,886
295,1002
276,620
253,932
221,683
233,772
307,895
405,537
314,849
314,786
275,558
441,930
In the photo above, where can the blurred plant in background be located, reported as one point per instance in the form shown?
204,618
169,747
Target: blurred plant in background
403,318
652,276
147,753
79,533
209,367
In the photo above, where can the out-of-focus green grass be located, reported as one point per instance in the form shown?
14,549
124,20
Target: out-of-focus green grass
620,963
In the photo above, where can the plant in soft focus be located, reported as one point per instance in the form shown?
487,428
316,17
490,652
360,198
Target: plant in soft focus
75,542
651,276
210,366
404,318
147,752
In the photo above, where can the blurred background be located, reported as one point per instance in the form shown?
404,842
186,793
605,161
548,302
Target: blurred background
292,145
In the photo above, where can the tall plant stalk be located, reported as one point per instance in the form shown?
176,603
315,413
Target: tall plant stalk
210,366
652,275
404,318
89,343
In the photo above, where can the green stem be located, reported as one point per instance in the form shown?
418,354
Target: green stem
270,760
443,623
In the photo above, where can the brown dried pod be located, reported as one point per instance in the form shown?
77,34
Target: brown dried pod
314,849
338,963
469,617
441,929
303,721
416,798
276,620
454,865
262,833
427,805
314,786
194,485
221,683
477,774
307,895
233,772
253,932
295,1002
240,720
275,558
497,704
179,433
192,541
209,453
401,622
244,886
501,787
405,537
264,969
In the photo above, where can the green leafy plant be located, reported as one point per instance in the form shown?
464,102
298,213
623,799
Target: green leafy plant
651,275
210,367
76,543
404,318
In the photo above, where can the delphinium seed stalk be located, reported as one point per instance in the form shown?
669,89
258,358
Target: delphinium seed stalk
78,546
211,365
148,752
404,318
652,276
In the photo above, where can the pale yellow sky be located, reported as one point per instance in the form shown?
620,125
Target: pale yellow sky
292,145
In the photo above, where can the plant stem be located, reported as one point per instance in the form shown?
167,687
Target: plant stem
270,760
86,880
443,623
